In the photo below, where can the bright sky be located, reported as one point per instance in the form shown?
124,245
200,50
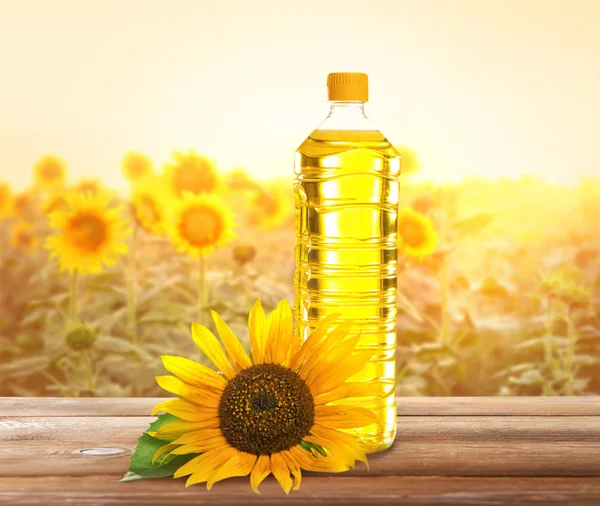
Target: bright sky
481,87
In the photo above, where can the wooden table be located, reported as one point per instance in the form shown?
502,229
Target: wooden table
449,451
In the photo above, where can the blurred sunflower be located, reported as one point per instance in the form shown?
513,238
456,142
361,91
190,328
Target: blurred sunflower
23,236
416,235
239,179
191,172
6,200
149,206
92,186
267,412
89,234
50,173
201,224
24,205
243,253
270,207
136,166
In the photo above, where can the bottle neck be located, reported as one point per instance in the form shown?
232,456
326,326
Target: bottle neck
346,115
349,109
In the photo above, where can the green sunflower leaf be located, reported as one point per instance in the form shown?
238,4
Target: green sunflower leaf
309,447
141,465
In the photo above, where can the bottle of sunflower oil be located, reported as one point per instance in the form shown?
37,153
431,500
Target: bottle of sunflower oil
346,198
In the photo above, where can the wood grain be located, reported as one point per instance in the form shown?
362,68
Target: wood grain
448,451
323,490
407,406
450,445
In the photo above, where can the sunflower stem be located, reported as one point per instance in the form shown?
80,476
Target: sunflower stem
445,289
1,242
201,289
548,389
132,288
73,299
90,370
572,336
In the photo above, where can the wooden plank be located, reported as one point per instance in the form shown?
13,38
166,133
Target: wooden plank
325,490
407,406
499,406
467,446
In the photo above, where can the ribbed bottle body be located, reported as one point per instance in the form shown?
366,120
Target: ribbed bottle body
346,197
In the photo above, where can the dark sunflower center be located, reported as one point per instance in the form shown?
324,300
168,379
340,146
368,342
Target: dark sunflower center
87,231
266,408
51,170
413,234
200,226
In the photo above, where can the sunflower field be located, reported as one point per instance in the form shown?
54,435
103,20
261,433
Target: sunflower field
499,281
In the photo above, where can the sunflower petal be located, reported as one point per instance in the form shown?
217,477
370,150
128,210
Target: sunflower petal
345,369
260,471
324,413
344,454
203,398
334,356
313,339
204,446
322,465
162,450
280,335
292,463
341,438
281,472
207,436
349,390
331,343
203,466
210,346
345,415
172,430
192,373
234,348
240,464
257,326
186,410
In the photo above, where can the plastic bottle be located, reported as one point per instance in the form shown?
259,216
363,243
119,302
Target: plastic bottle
346,197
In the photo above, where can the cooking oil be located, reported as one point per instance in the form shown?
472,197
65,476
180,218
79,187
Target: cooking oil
346,198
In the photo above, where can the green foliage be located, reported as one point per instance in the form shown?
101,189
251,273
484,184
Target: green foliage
141,465
313,447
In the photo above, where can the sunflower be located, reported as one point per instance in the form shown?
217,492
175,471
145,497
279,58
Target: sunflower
89,234
201,224
23,236
88,186
239,179
24,205
50,173
6,200
267,412
149,206
416,235
136,166
191,172
243,253
270,207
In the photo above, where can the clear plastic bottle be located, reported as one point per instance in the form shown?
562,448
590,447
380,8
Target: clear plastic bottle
346,195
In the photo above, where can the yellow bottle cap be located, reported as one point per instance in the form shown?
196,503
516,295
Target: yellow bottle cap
348,86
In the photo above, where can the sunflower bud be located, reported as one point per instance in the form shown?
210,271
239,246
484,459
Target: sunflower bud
81,337
243,253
